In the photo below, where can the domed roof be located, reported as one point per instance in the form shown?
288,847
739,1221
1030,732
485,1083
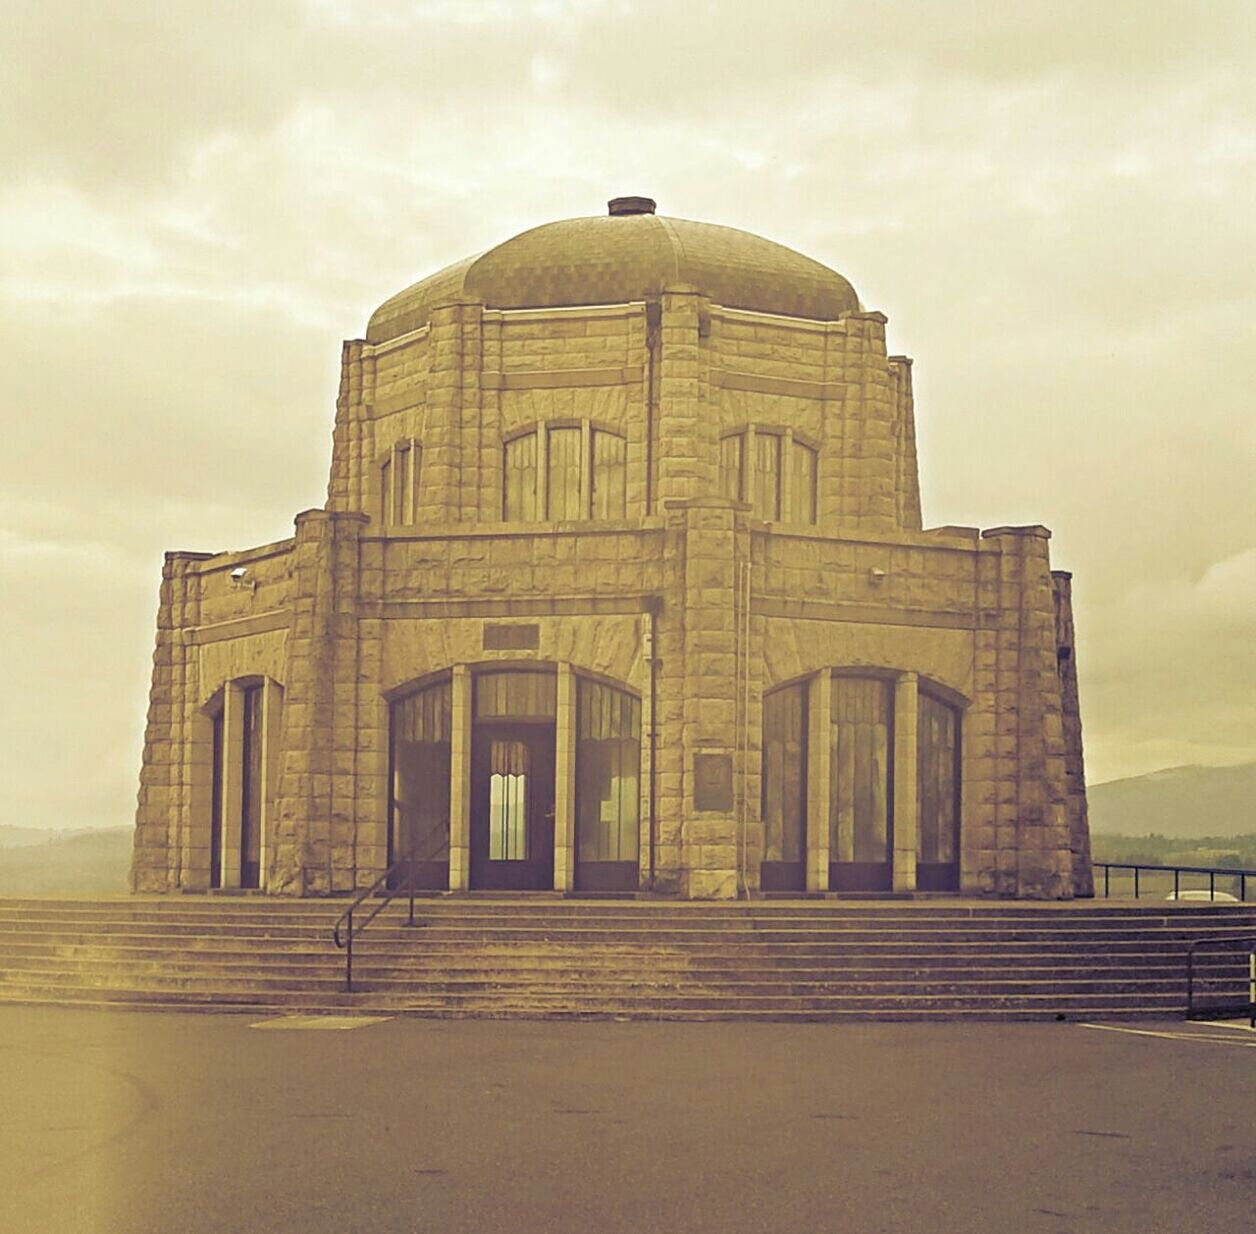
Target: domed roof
628,255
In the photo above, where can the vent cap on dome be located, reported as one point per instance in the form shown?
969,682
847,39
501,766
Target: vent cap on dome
631,205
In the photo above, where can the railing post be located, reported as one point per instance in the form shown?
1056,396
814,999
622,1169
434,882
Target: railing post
1136,882
1212,884
1243,887
1176,872
349,957
410,921
1106,871
1190,981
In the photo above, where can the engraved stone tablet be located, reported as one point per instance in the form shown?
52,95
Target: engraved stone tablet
512,638
712,782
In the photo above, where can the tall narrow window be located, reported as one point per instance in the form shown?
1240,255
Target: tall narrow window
562,479
861,743
784,789
937,789
608,768
731,472
609,475
519,487
766,497
421,724
251,789
399,484
802,486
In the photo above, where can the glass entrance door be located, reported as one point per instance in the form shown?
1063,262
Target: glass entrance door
512,807
861,790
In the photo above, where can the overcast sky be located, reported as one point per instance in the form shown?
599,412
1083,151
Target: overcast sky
1055,204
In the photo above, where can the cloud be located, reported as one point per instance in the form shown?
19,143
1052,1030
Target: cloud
1050,202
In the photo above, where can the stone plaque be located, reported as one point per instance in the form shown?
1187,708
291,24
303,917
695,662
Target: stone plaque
512,638
713,782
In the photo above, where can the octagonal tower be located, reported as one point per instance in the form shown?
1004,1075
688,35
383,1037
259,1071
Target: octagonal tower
621,586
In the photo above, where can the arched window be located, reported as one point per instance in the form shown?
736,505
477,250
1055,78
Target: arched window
938,794
399,483
772,471
608,787
784,789
418,804
564,472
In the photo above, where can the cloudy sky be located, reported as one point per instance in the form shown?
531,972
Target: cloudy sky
1055,204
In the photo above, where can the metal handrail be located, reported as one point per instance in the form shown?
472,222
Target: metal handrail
1246,940
351,931
1212,871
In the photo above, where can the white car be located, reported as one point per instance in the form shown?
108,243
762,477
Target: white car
1203,894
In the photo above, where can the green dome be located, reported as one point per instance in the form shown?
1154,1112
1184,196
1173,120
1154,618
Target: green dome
623,257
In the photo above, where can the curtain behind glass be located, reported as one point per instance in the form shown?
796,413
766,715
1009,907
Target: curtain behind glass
730,466
785,774
563,478
767,477
608,770
421,726
859,778
609,478
802,476
936,781
519,481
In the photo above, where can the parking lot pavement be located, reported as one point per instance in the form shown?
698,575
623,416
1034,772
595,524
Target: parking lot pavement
142,1121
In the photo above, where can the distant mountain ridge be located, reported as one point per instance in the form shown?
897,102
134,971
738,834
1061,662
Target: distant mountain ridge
88,862
1177,802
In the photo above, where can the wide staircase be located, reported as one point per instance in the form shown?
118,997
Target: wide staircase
550,957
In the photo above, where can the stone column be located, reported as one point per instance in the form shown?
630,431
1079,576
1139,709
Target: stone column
1031,820
565,782
819,723
906,806
1074,763
460,780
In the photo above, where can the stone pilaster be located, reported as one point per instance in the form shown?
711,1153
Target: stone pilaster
819,769
343,484
907,480
1074,763
1034,858
686,453
565,781
460,781
707,684
163,814
315,824
906,805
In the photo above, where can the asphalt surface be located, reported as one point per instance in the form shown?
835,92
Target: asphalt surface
142,1121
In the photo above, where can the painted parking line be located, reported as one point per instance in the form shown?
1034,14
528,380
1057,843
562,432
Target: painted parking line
1203,1035
333,1022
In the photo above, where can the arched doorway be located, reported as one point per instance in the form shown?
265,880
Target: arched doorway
512,780
784,790
861,783
938,794
608,788
421,728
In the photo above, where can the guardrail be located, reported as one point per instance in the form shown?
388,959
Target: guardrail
345,931
1237,942
1214,873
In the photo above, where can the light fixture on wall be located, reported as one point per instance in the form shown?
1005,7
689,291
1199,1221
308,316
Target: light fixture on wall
876,574
240,578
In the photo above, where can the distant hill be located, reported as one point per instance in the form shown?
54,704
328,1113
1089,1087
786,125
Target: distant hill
95,862
1185,803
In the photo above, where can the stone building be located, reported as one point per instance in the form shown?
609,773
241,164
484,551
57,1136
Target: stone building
621,585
